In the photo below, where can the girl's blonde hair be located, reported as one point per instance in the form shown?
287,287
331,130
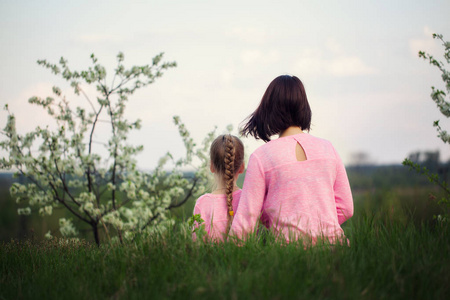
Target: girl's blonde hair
227,156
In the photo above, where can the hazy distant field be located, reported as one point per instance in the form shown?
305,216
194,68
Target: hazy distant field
402,193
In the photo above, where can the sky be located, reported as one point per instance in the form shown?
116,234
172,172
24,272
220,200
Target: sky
368,90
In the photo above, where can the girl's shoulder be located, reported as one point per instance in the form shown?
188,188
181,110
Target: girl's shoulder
204,198
209,198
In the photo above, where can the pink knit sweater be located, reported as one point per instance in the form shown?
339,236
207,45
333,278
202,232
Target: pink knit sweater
214,211
298,199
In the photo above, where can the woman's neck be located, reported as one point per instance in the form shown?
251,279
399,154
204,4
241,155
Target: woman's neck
292,130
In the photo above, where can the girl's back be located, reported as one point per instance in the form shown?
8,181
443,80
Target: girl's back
214,211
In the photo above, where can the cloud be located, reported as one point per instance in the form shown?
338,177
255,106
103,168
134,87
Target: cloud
97,38
226,75
313,62
29,116
349,66
249,34
425,43
333,46
257,56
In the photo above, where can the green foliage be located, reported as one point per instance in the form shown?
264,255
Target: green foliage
438,96
433,178
106,193
198,227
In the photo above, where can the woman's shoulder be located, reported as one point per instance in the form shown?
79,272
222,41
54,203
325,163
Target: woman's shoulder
278,151
306,136
321,142
280,143
320,146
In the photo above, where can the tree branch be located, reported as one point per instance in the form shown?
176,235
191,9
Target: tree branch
189,194
67,206
186,198
88,172
87,98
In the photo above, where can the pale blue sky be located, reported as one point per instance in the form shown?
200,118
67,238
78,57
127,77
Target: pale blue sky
358,60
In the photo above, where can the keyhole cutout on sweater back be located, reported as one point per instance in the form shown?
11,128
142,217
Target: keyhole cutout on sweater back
300,153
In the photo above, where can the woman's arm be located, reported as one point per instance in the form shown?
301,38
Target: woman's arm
342,192
251,202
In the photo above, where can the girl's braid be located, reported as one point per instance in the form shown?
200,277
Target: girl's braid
229,175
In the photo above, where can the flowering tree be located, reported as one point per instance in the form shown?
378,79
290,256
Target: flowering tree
438,96
108,194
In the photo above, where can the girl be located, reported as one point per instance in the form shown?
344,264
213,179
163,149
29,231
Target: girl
297,183
218,207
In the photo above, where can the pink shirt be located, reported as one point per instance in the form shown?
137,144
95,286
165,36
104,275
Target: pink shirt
308,198
214,211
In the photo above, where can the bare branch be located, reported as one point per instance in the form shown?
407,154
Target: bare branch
87,98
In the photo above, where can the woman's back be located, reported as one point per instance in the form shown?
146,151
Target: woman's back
299,186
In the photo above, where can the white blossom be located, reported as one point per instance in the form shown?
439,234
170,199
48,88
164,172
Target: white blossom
67,228
46,210
24,211
48,235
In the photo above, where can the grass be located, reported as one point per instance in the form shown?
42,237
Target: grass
386,260
397,252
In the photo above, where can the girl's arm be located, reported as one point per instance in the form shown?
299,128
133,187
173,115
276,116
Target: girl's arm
342,192
251,201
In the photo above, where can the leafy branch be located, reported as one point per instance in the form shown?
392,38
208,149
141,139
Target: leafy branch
438,96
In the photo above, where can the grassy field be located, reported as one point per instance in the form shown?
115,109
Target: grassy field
386,260
398,251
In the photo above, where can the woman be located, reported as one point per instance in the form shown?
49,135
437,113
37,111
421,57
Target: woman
296,184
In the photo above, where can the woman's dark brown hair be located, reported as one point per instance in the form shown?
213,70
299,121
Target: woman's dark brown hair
284,104
227,156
